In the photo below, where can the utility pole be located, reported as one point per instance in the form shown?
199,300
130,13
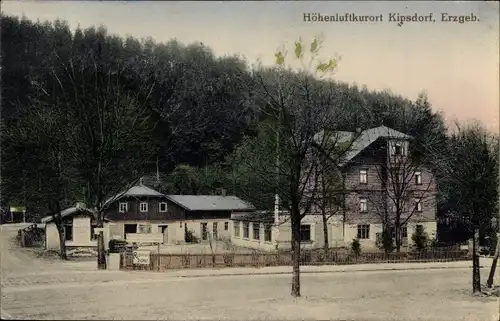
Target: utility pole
497,250
24,196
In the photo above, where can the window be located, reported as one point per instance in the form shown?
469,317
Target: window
163,207
236,227
267,233
403,229
93,225
246,231
363,176
143,207
363,205
68,230
204,231
144,228
418,178
397,150
123,207
214,230
397,177
305,233
419,228
226,226
418,205
363,231
256,231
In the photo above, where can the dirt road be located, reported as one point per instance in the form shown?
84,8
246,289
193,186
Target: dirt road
32,289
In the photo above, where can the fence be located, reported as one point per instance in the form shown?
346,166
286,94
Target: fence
181,261
32,236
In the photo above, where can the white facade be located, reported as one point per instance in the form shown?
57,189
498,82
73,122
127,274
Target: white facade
81,234
174,232
339,234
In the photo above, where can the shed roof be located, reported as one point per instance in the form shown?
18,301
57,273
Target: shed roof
68,212
210,202
137,190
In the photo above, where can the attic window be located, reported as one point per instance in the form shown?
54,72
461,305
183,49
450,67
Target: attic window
397,150
144,207
123,207
163,207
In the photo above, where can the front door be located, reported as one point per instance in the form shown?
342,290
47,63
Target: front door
164,231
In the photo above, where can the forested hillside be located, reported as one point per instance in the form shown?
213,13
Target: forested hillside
196,113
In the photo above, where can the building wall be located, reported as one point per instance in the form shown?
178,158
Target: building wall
174,212
281,235
351,232
81,234
195,226
174,233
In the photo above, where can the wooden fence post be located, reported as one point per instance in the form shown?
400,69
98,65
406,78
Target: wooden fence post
158,255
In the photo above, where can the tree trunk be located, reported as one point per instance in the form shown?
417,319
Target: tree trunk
494,265
326,245
397,227
62,241
296,258
476,276
101,256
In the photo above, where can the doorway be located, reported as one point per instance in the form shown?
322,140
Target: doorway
129,229
164,230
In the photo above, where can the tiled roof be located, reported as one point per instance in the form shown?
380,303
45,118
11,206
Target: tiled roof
367,137
68,212
261,216
210,202
137,190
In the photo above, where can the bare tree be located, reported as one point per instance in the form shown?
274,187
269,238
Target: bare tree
300,107
46,125
469,178
109,138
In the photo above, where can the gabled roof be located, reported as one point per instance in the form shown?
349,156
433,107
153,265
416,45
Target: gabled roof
137,191
210,203
367,137
68,212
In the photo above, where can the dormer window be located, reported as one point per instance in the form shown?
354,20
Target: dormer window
163,207
397,150
363,176
418,178
123,207
143,207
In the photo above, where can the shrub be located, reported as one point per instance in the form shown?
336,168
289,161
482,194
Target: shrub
434,243
356,247
385,241
420,239
190,237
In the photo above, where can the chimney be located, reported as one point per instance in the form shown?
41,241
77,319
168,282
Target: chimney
223,192
80,205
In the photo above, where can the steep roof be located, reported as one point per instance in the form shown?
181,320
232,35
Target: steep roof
137,190
210,203
367,137
68,212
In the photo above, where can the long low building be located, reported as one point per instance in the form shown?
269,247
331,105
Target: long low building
263,231
142,213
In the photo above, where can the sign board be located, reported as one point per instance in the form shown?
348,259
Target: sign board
141,257
152,238
18,209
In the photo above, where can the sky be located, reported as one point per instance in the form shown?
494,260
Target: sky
457,64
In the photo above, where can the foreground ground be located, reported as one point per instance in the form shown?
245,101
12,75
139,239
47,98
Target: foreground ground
33,289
